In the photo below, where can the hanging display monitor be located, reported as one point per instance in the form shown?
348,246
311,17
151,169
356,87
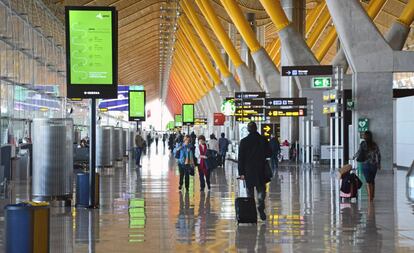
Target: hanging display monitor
91,52
136,110
178,120
188,113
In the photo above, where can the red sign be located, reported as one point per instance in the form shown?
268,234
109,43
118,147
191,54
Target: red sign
219,119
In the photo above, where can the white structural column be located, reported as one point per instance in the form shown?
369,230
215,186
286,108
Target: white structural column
371,60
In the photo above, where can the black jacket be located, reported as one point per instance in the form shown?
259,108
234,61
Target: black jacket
253,151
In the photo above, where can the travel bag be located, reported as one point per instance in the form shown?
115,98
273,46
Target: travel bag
245,207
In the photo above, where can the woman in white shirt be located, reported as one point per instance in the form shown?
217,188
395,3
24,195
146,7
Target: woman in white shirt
213,143
201,155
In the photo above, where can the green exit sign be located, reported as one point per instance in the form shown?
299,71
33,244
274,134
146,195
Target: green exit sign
321,82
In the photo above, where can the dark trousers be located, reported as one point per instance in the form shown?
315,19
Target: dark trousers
261,195
275,162
202,181
184,175
223,158
138,152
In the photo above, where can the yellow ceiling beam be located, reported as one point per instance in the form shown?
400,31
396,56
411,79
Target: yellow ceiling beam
205,38
202,55
237,16
219,31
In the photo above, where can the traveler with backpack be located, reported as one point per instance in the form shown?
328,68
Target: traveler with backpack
185,158
370,157
203,170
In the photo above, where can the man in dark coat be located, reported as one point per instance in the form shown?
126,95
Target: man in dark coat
253,151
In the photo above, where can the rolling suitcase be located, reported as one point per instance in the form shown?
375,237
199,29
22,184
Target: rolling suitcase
350,184
245,207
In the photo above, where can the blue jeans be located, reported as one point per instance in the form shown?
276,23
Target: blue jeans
138,152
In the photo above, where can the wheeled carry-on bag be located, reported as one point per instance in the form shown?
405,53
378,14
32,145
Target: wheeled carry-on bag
350,184
245,207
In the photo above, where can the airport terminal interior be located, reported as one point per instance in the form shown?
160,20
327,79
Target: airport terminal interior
206,126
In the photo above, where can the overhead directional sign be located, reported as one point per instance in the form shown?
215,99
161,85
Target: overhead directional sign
255,118
330,95
330,108
246,95
297,112
250,102
267,130
251,111
286,101
321,70
321,82
200,121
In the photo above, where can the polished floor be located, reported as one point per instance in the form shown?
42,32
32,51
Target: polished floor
143,211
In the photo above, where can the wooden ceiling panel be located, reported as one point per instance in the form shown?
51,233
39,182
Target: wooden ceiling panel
139,33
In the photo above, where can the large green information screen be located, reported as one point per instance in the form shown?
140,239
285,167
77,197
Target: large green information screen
178,120
90,47
136,110
188,113
91,40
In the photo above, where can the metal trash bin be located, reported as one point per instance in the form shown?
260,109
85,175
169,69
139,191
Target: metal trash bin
82,189
52,159
27,227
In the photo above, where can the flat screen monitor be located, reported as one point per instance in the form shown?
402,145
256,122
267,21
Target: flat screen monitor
91,52
188,114
178,119
136,111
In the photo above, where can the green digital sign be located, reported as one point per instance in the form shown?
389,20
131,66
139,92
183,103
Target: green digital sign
178,120
136,111
91,41
170,125
188,113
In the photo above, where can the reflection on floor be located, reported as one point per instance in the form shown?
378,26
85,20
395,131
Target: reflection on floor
143,211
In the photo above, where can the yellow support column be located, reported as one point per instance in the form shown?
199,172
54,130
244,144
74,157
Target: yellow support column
242,25
221,34
407,16
198,85
190,75
189,10
276,13
183,42
183,23
270,77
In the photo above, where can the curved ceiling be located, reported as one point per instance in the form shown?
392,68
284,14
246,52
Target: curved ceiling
146,40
